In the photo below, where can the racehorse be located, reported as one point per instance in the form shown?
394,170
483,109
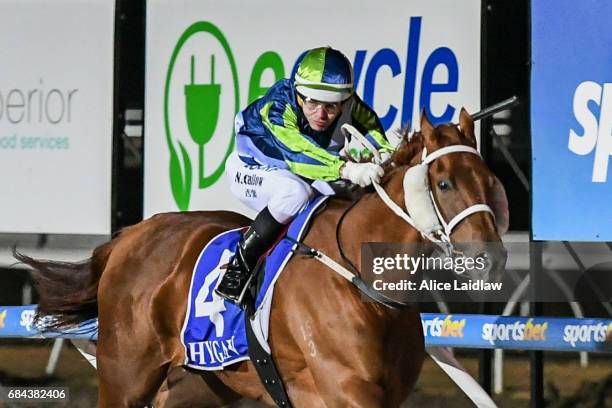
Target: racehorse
332,348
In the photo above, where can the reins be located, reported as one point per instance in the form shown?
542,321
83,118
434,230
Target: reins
354,278
339,242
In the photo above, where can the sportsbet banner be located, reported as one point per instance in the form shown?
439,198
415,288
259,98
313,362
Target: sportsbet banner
206,60
571,120
56,104
515,332
439,330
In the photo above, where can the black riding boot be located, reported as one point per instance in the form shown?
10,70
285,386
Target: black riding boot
258,238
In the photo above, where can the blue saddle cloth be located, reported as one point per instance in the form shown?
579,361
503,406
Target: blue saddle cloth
214,333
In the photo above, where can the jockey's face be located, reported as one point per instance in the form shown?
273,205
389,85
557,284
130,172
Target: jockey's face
320,115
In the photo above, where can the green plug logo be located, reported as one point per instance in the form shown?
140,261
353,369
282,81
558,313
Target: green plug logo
202,110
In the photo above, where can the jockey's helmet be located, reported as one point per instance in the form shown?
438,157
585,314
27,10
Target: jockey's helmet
324,74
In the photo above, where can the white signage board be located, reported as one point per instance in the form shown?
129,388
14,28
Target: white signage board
56,115
406,54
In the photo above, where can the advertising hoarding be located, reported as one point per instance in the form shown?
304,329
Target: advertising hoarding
405,55
571,120
56,116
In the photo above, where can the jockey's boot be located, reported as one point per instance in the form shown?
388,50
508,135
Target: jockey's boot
258,238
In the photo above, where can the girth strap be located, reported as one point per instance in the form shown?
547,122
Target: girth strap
264,364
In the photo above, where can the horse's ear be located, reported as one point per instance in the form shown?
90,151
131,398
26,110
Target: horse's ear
429,133
426,126
466,123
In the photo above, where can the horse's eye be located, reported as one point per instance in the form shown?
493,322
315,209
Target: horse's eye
443,185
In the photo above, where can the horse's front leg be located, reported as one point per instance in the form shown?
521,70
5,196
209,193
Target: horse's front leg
342,345
345,373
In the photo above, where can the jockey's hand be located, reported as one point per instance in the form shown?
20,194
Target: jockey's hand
362,174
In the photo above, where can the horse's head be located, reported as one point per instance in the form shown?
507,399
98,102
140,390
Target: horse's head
471,202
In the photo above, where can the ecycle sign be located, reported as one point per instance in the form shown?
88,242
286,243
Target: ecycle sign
205,64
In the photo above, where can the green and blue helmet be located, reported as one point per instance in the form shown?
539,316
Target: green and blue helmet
324,74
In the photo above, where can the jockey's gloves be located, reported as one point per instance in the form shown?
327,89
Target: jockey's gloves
362,174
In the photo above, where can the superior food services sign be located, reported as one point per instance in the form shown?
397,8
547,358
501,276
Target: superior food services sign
56,105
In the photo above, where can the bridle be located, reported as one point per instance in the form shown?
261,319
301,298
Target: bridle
441,234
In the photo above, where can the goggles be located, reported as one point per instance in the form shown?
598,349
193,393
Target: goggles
312,105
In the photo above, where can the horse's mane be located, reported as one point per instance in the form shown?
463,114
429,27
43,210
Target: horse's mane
410,145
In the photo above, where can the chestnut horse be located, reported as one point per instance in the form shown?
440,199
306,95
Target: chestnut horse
332,348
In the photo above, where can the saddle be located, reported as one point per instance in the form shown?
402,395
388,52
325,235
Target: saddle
256,284
218,333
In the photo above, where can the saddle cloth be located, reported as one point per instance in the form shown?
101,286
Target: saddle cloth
213,333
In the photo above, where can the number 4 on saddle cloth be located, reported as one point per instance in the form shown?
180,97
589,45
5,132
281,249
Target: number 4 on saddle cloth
214,334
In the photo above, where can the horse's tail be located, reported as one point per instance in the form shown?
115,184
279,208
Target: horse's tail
67,290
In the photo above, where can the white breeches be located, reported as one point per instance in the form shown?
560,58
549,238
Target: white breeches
284,193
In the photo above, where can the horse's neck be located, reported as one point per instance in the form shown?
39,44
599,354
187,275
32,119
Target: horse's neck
371,220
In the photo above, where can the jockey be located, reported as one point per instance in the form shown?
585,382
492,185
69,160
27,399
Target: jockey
288,148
